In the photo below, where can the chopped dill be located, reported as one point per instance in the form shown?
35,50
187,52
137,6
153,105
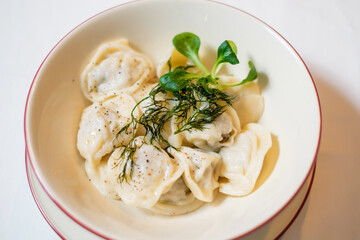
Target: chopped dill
127,155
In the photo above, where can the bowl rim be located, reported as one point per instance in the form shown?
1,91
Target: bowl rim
32,190
96,232
58,232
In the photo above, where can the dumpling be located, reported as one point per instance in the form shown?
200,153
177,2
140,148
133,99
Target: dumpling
175,58
100,122
115,68
200,171
170,127
175,140
153,173
142,93
217,134
178,200
249,104
98,175
242,161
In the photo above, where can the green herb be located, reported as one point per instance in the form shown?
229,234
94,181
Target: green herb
193,99
188,44
177,79
226,54
204,105
127,159
252,75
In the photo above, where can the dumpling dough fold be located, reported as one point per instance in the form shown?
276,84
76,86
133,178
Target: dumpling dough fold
153,173
100,122
242,161
200,171
218,134
115,68
175,58
178,200
248,104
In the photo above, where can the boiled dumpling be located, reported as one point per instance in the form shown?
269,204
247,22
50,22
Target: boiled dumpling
175,140
175,59
217,134
115,68
100,122
248,104
142,93
178,200
242,161
153,173
197,165
98,175
170,127
200,171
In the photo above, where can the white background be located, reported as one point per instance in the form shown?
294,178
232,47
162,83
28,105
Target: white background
326,33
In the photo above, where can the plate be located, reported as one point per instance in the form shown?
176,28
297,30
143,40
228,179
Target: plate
66,228
55,103
57,219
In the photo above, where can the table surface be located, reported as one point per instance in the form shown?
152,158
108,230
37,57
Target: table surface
325,33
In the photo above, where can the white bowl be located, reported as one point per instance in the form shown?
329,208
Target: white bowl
292,114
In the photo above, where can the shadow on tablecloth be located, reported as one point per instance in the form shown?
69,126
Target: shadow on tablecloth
332,210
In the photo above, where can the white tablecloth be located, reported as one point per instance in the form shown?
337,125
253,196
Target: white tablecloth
326,33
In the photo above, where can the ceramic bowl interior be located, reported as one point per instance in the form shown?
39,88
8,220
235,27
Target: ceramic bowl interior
291,113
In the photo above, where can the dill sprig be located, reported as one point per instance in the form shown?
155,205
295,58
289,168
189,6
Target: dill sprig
204,105
127,160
